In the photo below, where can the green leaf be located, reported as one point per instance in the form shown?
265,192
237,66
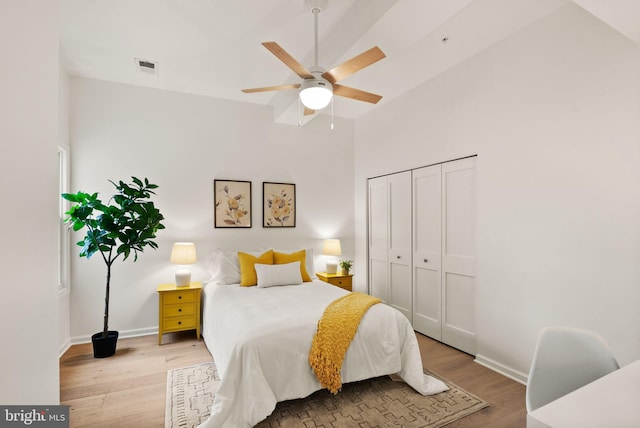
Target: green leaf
70,197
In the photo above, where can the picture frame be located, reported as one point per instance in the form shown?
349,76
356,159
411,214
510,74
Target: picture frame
278,204
232,204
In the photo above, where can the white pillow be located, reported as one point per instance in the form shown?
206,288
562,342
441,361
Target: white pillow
223,266
275,275
309,263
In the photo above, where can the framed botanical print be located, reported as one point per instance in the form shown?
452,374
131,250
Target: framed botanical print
278,205
232,203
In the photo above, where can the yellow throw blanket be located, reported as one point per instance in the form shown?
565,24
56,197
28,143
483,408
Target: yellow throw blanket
336,330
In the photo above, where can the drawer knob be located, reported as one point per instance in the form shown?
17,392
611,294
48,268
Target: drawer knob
179,322
179,297
426,260
180,310
398,257
339,282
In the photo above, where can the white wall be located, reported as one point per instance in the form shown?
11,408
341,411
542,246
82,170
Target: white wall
28,130
182,143
553,113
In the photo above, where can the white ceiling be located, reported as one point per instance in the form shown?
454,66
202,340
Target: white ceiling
212,47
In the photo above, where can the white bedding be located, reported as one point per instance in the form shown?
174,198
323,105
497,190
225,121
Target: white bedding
260,340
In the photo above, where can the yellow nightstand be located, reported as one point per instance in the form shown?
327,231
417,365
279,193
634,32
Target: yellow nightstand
342,281
179,308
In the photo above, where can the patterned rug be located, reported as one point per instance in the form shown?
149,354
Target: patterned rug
377,402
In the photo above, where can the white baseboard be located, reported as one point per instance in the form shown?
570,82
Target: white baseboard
77,340
64,348
502,369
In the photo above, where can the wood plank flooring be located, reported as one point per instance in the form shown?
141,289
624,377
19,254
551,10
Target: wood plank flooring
129,389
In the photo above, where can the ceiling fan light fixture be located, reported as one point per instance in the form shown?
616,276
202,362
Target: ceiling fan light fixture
316,93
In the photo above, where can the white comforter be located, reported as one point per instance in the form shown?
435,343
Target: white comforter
260,340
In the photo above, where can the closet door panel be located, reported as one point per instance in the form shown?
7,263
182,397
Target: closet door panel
458,254
400,297
399,186
426,303
378,279
399,251
427,247
378,231
459,317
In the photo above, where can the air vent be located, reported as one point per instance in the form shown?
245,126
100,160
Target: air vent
146,66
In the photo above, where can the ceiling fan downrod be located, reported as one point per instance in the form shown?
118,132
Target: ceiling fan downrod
316,6
316,11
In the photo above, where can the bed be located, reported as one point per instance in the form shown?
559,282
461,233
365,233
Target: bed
260,340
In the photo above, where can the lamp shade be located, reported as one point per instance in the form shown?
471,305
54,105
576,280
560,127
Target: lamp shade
331,247
183,253
316,93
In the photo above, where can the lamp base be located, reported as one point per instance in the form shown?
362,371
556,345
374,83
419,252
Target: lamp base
183,278
332,267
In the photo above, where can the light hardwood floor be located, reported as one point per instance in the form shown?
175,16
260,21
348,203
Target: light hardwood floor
129,389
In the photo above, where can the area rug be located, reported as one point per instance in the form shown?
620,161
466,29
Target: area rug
379,402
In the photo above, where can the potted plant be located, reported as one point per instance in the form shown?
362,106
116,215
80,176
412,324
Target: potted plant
345,265
124,227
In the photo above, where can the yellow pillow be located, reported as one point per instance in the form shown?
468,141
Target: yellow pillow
299,256
248,276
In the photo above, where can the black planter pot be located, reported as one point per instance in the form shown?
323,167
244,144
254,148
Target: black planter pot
104,347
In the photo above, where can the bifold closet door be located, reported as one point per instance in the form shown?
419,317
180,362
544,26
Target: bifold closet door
444,253
427,247
399,251
378,231
390,240
459,254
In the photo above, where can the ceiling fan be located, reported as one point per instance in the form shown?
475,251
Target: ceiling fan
318,86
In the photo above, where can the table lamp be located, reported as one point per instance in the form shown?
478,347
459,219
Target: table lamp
183,253
332,248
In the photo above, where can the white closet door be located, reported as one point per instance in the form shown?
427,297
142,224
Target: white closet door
399,253
427,247
459,255
378,231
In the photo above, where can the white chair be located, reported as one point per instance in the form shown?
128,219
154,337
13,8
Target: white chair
566,359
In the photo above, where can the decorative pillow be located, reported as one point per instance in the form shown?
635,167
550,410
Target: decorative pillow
223,266
247,261
276,275
299,256
309,264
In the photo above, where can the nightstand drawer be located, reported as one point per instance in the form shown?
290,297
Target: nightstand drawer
179,323
180,310
174,297
341,282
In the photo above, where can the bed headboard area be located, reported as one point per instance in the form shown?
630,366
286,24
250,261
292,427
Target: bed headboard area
238,266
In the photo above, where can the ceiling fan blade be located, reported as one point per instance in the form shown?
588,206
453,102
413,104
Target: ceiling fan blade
271,88
354,65
356,94
288,60
308,111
